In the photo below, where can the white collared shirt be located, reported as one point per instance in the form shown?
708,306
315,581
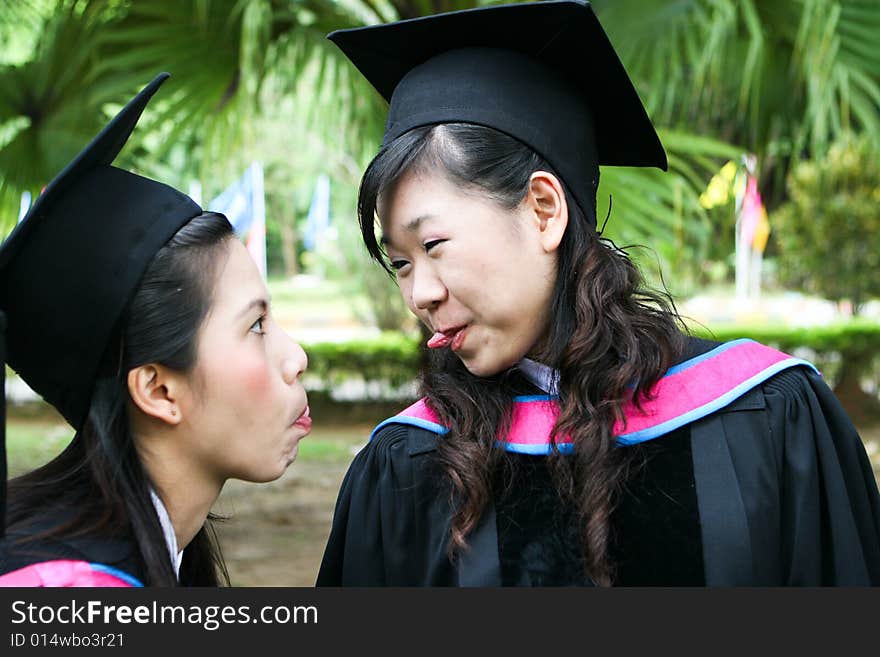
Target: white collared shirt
543,376
168,530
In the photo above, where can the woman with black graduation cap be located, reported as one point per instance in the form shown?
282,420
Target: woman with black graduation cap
569,432
146,324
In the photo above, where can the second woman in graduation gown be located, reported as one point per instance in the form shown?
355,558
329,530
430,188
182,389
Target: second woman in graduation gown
569,432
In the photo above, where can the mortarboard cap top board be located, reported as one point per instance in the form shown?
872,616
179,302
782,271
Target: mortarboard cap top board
543,72
71,265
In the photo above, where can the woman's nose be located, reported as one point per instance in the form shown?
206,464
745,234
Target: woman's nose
427,288
295,361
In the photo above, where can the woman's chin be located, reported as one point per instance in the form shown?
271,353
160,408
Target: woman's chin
485,367
275,472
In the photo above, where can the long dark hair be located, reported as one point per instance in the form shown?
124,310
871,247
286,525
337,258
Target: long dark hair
99,476
610,336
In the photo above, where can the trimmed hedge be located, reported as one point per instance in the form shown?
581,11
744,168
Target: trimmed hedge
856,336
855,343
394,357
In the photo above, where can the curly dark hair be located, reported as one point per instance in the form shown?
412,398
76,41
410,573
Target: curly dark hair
610,337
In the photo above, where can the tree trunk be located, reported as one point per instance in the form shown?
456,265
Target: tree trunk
861,407
288,249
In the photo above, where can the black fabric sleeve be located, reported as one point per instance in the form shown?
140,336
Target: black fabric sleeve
389,522
830,508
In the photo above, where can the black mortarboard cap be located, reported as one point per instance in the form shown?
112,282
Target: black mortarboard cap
544,73
71,265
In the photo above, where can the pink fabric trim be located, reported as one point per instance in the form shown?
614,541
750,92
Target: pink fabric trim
698,385
60,573
675,395
531,425
421,411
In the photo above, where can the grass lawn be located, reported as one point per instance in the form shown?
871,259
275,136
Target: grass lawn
32,442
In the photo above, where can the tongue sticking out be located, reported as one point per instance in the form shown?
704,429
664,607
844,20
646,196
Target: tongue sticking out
439,340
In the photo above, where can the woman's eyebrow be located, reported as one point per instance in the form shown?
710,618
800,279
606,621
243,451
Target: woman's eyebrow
411,226
261,303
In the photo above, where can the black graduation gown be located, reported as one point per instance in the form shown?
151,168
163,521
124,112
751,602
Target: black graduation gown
26,545
774,489
23,548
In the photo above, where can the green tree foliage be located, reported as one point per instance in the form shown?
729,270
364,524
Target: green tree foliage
89,56
220,54
778,78
828,233
49,100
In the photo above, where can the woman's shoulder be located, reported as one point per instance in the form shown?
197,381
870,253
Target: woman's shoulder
798,410
800,399
763,372
44,539
394,456
795,382
19,550
400,439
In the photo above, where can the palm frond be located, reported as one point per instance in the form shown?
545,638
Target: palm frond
661,211
763,74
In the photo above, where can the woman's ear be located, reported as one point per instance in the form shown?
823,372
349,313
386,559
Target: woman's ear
154,390
546,202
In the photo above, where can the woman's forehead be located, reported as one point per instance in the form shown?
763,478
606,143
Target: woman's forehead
415,205
238,280
419,196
